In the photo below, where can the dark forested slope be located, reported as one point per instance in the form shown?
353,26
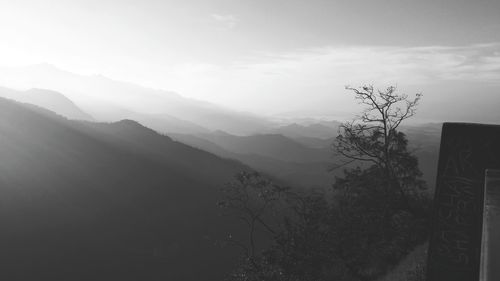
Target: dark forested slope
89,201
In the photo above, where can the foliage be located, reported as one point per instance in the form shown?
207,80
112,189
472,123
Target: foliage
382,206
375,228
251,199
378,212
411,267
373,138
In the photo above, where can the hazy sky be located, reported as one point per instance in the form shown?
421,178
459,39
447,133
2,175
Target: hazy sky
264,56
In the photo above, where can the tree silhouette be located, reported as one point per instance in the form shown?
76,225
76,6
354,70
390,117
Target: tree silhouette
373,137
381,212
251,199
377,214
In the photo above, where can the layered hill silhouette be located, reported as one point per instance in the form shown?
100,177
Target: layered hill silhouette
274,146
48,99
317,129
107,99
284,158
116,201
305,161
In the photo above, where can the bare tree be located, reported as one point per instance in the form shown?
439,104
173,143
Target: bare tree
372,137
251,199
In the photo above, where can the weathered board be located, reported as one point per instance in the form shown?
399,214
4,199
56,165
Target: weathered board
490,251
466,151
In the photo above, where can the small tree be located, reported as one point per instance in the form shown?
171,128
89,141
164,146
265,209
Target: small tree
251,199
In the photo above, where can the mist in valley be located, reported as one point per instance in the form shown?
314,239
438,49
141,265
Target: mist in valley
232,140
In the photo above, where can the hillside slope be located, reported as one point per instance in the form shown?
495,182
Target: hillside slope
272,146
90,201
48,99
304,174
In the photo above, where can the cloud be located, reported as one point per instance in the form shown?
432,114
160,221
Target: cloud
315,77
386,64
228,21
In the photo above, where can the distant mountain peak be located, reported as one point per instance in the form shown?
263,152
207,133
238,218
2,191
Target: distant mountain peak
48,99
100,96
129,122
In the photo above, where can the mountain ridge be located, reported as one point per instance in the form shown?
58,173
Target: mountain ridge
48,99
95,201
97,95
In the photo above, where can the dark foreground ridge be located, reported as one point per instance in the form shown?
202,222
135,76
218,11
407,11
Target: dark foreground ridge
90,201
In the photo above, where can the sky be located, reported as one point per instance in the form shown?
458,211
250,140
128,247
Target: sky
268,56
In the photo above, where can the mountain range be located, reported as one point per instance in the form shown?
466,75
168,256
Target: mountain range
306,162
107,201
298,153
110,100
106,180
48,99
292,163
